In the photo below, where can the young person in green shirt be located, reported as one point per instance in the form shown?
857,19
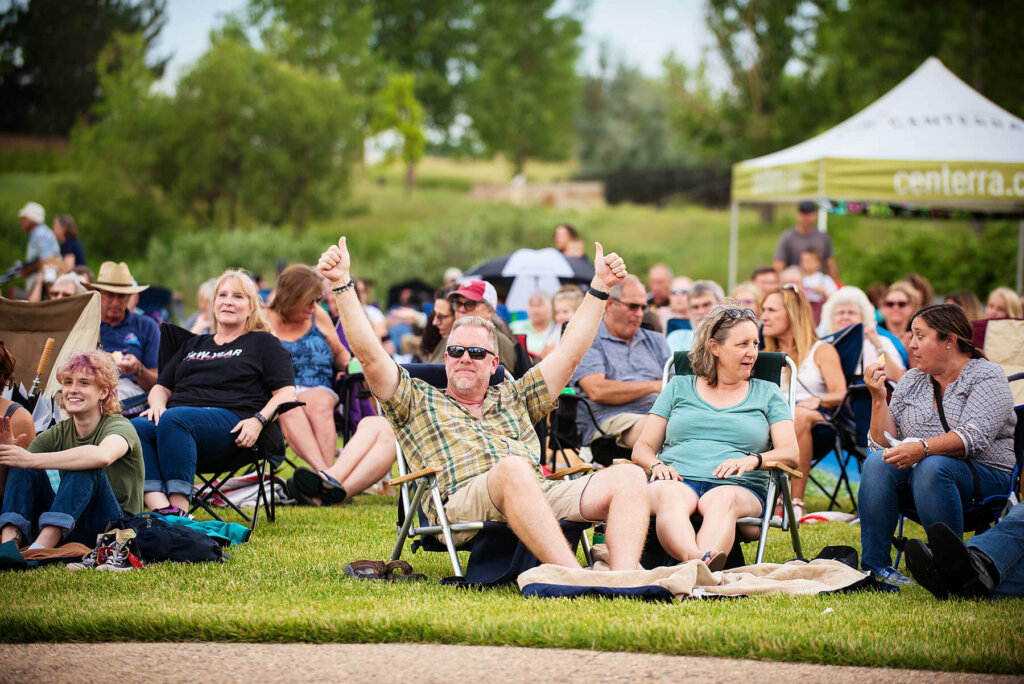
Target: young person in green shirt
96,450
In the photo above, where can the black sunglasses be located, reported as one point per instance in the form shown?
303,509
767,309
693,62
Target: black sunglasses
896,305
734,314
476,353
632,307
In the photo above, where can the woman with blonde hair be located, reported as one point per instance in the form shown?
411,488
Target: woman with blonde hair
96,450
968,303
788,326
1003,303
214,395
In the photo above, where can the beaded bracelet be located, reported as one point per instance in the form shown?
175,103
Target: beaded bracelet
339,290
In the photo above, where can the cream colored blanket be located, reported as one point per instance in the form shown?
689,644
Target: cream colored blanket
693,579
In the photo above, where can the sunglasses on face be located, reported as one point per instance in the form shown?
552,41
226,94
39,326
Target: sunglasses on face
476,353
734,314
678,291
464,305
632,307
897,305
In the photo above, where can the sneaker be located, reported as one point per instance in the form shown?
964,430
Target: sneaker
892,576
117,559
88,562
174,511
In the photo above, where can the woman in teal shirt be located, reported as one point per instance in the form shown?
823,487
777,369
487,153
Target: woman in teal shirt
708,436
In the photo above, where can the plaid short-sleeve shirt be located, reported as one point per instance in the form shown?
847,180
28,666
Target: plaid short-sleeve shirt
434,429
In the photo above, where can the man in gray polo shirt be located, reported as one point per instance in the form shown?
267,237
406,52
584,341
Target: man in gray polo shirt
621,372
805,235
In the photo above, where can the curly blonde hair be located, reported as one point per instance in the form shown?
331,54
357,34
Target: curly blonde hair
801,322
101,369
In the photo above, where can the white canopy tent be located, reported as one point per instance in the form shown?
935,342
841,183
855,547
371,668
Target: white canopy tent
932,141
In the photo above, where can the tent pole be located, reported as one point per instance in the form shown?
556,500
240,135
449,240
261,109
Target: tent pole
1020,258
734,239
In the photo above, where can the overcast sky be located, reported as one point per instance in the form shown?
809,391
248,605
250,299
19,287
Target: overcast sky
642,31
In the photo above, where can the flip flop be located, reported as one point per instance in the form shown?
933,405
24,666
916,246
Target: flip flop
320,485
404,572
366,570
715,560
294,493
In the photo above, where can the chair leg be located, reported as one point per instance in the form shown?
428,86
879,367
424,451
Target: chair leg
585,543
410,513
794,524
435,494
762,539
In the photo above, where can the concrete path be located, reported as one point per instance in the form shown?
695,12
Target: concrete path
408,663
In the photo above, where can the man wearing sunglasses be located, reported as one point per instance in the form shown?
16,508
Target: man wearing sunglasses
482,437
621,372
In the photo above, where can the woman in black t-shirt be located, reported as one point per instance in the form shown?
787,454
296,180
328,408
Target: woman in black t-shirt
214,395
72,253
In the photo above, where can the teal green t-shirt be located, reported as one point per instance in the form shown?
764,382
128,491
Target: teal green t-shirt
126,474
699,436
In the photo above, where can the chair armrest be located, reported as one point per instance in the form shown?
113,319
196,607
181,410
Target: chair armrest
566,472
285,407
775,465
415,475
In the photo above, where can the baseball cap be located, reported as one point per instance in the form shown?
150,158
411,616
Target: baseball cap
477,291
806,207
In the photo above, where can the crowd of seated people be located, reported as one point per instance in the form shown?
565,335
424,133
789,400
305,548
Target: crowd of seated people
253,352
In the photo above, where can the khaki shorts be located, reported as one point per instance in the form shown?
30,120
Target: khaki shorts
473,502
619,425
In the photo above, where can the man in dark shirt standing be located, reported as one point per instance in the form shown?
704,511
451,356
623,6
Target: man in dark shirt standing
805,235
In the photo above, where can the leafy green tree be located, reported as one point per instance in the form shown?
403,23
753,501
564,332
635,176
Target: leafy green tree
524,89
396,110
48,57
623,123
251,134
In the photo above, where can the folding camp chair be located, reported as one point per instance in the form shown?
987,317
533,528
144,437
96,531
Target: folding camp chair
413,521
263,458
768,367
991,508
845,432
73,323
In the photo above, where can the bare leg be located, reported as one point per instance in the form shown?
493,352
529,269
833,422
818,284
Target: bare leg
180,500
629,437
805,420
721,508
618,495
672,502
319,410
9,533
298,430
49,536
514,490
367,457
155,500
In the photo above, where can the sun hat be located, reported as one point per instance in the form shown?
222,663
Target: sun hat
33,211
116,278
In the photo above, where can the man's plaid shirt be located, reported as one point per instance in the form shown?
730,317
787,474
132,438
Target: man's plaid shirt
434,429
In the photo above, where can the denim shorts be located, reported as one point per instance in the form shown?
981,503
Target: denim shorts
701,488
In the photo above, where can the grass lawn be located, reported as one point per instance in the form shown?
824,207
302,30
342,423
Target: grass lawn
287,585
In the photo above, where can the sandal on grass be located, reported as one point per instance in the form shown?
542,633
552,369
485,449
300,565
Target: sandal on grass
319,485
366,569
294,493
404,572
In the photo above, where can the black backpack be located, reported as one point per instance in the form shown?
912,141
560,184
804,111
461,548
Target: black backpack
159,541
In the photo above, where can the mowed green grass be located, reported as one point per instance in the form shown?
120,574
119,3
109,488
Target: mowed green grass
286,584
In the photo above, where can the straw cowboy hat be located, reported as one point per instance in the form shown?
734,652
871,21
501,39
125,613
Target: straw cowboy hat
116,278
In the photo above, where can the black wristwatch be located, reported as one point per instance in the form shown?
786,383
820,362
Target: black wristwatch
603,296
259,416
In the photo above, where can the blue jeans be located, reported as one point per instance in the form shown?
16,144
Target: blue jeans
171,449
1004,544
82,507
938,488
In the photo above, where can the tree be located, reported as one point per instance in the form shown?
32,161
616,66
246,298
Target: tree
48,55
623,123
523,88
396,110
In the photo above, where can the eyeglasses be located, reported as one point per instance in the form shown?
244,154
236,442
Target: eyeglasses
476,353
463,304
734,314
896,305
632,306
678,291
